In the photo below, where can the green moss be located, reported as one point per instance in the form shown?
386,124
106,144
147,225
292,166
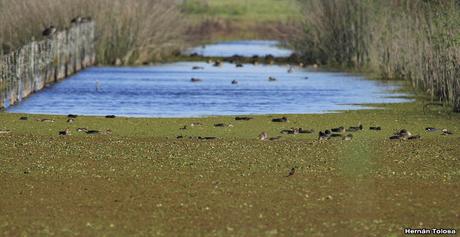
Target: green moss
141,180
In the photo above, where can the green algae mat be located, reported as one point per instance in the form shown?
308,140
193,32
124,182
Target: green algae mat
137,178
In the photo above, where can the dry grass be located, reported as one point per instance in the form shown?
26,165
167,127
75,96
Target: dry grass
416,40
134,31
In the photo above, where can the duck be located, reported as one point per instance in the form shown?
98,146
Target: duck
82,130
46,120
355,129
196,80
404,134
375,128
76,20
338,130
415,137
301,130
195,124
322,136
234,82
348,137
291,172
395,137
263,136
207,138
243,118
217,64
335,135
92,132
66,132
431,129
271,79
446,132
51,30
222,125
293,131
280,120
274,138
86,19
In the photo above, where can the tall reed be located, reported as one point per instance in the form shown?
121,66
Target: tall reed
134,31
415,40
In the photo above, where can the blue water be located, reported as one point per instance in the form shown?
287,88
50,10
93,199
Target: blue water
166,91
242,48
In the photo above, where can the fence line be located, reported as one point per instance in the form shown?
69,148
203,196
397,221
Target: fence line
41,63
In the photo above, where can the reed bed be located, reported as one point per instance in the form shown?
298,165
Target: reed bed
415,40
134,31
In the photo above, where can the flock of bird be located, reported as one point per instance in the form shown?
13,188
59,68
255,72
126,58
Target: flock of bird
269,59
341,132
345,134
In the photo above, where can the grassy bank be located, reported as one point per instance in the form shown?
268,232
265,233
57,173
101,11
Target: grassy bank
141,180
134,31
242,19
415,40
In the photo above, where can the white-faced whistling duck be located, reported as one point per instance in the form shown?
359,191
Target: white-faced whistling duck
280,120
322,136
431,129
92,132
301,130
66,132
217,64
76,20
292,172
446,132
243,118
293,131
348,137
263,136
338,130
49,31
355,129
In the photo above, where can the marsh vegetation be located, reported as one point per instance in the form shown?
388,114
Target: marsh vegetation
414,40
134,32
